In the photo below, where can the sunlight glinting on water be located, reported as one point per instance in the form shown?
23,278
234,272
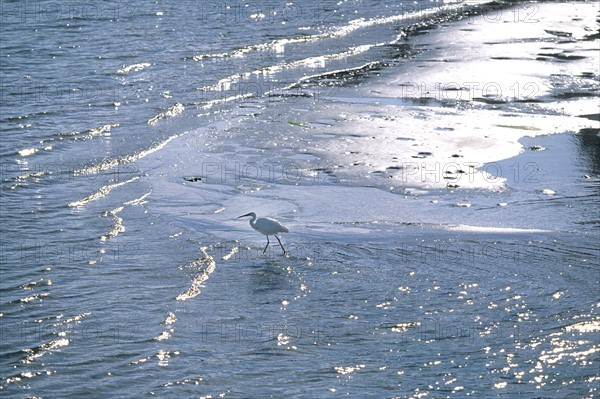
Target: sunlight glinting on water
434,163
204,267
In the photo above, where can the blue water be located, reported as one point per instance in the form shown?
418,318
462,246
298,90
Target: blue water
133,134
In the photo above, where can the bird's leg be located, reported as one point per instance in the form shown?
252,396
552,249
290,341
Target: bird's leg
265,250
280,244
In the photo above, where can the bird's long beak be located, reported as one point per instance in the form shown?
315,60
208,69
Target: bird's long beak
243,215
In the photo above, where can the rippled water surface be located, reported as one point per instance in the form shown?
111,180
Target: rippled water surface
438,171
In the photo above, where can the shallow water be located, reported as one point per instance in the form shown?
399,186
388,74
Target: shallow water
125,272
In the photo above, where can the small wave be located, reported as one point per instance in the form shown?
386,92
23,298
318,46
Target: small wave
35,297
41,350
210,104
139,201
348,369
101,193
275,45
90,133
585,327
46,146
208,264
315,61
337,74
164,356
171,318
172,111
27,152
22,376
133,67
225,84
118,226
233,251
163,336
111,163
335,32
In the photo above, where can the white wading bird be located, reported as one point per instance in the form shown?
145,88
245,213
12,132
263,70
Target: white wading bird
268,227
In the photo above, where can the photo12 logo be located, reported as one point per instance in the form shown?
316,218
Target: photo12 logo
314,333
454,172
285,172
470,331
474,253
265,12
40,253
33,91
38,11
37,171
469,91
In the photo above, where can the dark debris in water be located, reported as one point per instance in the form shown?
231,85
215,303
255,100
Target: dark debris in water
593,36
489,100
577,94
562,56
593,117
558,33
529,100
422,154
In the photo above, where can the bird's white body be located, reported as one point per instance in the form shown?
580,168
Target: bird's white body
268,227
